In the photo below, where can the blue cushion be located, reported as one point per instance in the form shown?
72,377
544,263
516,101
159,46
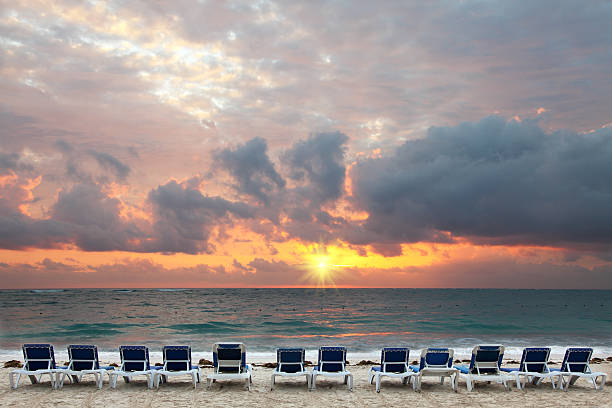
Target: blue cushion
290,360
38,351
177,353
138,353
436,356
327,353
534,354
463,369
83,352
510,370
576,359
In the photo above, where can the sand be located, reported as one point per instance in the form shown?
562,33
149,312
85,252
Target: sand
293,392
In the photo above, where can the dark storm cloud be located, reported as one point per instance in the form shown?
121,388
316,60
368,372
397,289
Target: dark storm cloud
183,218
18,231
252,169
492,181
317,163
94,219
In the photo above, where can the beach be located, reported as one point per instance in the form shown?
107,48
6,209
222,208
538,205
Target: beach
293,392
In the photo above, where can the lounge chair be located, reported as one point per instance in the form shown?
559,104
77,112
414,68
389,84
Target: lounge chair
83,360
575,365
436,362
177,361
533,367
394,364
134,362
484,366
39,359
290,363
332,363
229,363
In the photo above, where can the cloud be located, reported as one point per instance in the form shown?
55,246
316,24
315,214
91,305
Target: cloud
111,163
94,220
493,182
500,272
183,218
317,163
252,169
8,162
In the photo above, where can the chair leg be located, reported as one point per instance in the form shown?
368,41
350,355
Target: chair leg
208,382
377,382
603,381
350,382
313,382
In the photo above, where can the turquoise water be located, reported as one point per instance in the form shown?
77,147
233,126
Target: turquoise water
362,319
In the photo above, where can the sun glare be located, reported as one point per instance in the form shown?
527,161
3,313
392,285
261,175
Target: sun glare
321,269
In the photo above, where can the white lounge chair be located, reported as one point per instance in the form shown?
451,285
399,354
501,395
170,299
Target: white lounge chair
575,365
484,366
134,362
436,362
229,362
332,363
177,361
39,359
290,363
393,364
83,360
533,367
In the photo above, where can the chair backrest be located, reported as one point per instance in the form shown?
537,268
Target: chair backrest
486,359
38,357
177,358
83,357
535,360
436,357
290,360
394,359
576,360
332,359
134,358
229,357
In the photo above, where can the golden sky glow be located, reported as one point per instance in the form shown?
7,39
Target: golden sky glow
263,144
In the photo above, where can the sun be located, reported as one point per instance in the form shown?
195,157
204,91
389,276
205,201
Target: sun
321,269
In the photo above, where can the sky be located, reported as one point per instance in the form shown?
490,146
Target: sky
305,144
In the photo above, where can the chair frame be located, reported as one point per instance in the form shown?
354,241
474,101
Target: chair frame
476,365
77,375
127,375
35,375
347,376
278,371
162,374
533,377
406,376
244,370
437,370
587,373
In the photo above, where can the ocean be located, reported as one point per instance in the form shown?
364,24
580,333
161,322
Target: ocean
364,320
